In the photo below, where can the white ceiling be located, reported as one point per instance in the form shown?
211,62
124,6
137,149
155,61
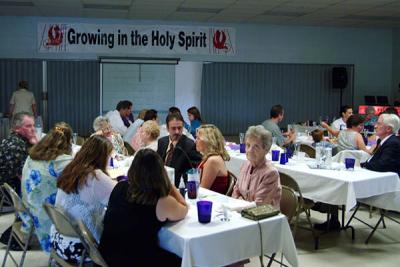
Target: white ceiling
342,13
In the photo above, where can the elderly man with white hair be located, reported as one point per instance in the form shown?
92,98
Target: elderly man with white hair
386,156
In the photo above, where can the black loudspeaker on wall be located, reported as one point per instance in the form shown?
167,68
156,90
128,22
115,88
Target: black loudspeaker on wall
339,77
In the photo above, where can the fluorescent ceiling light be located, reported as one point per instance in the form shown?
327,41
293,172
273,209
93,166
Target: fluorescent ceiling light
199,10
171,61
106,7
284,13
375,18
16,4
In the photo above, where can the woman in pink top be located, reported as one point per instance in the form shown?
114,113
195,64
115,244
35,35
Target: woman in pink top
259,180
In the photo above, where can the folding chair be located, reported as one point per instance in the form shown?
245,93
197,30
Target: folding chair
65,226
6,204
20,237
304,205
309,150
91,245
288,206
231,183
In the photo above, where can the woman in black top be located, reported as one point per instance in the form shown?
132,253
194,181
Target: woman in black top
136,211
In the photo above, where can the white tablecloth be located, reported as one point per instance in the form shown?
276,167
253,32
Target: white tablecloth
331,186
221,243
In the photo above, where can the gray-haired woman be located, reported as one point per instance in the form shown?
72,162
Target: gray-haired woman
259,180
102,126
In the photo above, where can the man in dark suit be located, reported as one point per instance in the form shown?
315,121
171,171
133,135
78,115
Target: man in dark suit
178,151
386,157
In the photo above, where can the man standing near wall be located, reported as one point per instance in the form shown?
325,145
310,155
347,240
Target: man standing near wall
276,116
22,100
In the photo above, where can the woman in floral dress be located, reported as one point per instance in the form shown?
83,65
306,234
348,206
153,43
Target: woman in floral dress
44,164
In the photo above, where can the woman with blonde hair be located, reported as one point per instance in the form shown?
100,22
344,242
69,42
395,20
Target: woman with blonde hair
210,143
150,132
45,162
102,126
84,188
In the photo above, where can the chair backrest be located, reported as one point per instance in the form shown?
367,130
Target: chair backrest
358,155
309,150
129,148
4,199
231,183
289,202
91,244
61,221
288,181
19,206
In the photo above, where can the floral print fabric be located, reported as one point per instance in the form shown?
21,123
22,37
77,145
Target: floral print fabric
39,186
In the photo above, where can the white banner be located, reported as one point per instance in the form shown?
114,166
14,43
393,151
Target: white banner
143,39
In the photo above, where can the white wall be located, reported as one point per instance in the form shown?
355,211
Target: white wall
396,64
188,86
370,50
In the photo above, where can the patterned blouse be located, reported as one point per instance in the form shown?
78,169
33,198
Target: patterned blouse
13,153
39,186
87,205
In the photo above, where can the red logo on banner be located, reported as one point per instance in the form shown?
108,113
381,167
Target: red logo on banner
219,40
55,35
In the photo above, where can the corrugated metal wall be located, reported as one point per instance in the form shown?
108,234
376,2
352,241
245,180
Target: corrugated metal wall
73,93
11,72
237,95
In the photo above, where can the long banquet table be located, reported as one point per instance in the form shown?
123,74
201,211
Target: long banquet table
220,243
337,187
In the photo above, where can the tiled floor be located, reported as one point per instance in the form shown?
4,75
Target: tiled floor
336,249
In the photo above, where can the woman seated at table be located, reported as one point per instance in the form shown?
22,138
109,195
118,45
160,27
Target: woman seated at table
210,143
350,139
195,120
42,168
259,180
84,189
137,209
102,126
150,131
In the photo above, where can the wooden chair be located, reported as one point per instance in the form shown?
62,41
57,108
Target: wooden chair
20,237
232,179
304,205
309,150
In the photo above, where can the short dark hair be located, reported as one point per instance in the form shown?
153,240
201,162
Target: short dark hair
354,120
317,135
276,111
174,116
151,114
343,109
195,112
124,104
174,110
23,84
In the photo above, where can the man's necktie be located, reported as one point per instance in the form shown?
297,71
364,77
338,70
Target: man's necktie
168,157
378,145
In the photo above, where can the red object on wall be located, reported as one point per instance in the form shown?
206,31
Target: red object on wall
378,109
